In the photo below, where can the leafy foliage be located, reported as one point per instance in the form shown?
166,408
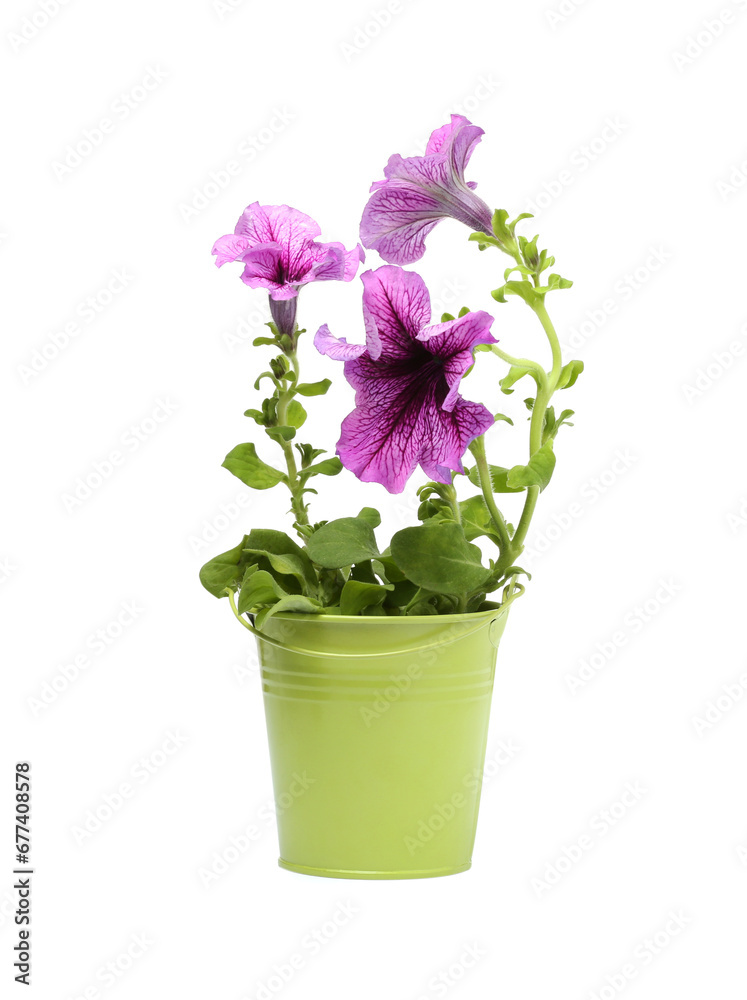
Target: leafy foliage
434,567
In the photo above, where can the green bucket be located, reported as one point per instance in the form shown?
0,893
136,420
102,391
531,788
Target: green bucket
377,730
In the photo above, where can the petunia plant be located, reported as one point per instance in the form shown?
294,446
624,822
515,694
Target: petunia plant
409,409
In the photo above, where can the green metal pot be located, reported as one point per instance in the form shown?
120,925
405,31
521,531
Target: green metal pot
377,729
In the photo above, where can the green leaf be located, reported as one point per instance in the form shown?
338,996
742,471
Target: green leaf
529,251
296,415
288,564
483,240
569,373
357,595
281,433
401,594
371,515
555,282
553,425
314,388
281,366
331,582
525,290
269,375
327,467
516,571
447,317
256,415
260,341
245,464
544,262
258,587
520,218
386,567
363,572
223,571
439,558
284,555
515,372
271,540
498,479
476,518
502,416
423,607
295,603
427,509
342,542
308,454
538,472
500,228
517,267
463,311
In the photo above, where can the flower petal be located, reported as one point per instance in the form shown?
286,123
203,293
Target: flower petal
284,225
449,434
276,224
353,258
454,342
263,268
335,263
441,137
462,334
396,305
463,140
228,248
399,422
336,348
418,191
379,441
396,221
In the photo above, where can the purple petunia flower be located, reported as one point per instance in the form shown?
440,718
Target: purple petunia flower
276,245
419,191
408,410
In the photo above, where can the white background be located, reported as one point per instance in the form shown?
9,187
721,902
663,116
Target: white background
647,217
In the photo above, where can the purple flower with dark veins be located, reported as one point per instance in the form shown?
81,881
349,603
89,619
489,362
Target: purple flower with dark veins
276,245
419,191
408,410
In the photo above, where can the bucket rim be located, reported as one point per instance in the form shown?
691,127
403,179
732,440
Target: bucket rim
296,616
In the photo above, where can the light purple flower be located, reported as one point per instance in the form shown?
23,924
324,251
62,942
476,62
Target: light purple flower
276,245
419,191
408,410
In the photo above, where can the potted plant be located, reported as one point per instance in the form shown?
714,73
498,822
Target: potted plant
378,658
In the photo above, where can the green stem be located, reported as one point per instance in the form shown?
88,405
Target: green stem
299,508
523,526
483,471
232,602
544,395
552,336
533,366
450,496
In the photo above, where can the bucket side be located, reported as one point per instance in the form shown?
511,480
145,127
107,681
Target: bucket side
385,753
